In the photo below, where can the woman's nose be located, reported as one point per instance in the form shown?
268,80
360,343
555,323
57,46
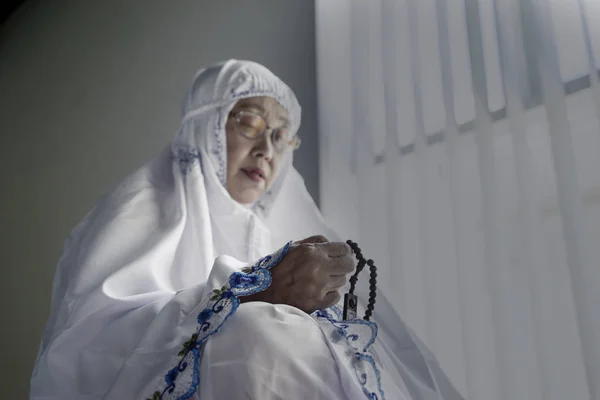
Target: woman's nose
264,147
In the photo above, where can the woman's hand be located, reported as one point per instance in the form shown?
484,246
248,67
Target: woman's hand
309,276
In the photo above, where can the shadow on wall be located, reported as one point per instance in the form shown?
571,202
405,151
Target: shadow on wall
7,8
90,91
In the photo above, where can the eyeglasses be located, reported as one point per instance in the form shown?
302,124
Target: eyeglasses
253,126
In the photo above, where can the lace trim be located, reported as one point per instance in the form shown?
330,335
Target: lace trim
351,340
181,381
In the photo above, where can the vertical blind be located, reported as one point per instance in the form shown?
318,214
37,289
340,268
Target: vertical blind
460,146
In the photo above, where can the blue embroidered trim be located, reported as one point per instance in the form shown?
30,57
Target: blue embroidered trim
343,326
220,151
223,303
353,332
253,92
246,92
338,313
372,396
186,157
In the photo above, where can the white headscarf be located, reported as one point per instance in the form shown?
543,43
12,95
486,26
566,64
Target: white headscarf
154,239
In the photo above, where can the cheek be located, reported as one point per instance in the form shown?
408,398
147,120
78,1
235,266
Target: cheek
236,152
276,165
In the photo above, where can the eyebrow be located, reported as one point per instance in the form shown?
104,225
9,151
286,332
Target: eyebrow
262,111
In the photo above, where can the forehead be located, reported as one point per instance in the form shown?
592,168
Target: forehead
267,106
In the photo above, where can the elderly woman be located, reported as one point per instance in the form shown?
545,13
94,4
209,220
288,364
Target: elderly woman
200,275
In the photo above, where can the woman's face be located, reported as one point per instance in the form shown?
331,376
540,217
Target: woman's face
253,164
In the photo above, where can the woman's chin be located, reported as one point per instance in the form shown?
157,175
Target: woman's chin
245,190
247,196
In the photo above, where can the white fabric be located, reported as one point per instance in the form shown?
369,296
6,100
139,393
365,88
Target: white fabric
459,145
138,271
250,365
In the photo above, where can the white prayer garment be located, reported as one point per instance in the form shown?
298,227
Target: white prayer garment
145,300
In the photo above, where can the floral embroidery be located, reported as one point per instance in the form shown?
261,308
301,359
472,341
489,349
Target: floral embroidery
223,302
359,357
186,157
352,339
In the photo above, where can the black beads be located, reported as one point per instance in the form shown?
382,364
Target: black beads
372,281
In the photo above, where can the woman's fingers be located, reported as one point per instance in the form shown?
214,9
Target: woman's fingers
335,282
339,266
311,274
314,239
336,249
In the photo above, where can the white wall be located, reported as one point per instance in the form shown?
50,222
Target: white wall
91,90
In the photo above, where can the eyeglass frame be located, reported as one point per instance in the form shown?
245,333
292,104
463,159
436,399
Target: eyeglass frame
289,147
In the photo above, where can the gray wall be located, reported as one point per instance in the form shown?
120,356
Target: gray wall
90,90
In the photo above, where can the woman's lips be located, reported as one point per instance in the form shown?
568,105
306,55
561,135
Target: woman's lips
254,174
